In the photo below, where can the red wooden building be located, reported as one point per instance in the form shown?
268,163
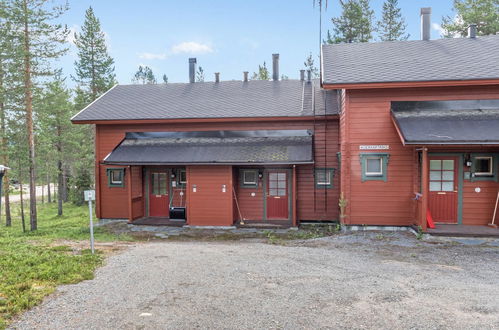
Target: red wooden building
225,152
419,128
403,129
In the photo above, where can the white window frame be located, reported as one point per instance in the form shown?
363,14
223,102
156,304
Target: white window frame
250,183
380,173
491,168
180,177
119,173
327,182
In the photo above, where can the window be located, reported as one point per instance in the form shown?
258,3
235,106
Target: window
484,167
182,177
278,184
249,178
374,166
442,174
324,177
115,177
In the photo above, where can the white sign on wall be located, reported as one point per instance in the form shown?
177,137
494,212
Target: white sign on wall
374,147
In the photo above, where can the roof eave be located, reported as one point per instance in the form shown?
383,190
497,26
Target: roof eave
404,84
199,120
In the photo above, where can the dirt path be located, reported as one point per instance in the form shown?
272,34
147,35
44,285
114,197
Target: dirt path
358,281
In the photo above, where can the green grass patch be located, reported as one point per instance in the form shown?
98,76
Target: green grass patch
31,266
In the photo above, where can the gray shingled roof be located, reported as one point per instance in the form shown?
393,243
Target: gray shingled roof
411,61
448,122
226,99
219,147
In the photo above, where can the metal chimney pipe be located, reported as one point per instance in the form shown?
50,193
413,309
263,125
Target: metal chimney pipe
245,75
472,30
275,67
426,23
302,75
192,69
217,76
309,75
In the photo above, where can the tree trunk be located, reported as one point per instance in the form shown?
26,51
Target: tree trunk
49,198
65,188
43,194
60,188
5,157
28,99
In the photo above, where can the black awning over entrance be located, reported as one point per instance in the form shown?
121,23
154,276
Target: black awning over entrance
260,147
460,122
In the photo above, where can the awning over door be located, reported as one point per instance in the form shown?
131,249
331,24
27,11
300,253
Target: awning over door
214,147
460,122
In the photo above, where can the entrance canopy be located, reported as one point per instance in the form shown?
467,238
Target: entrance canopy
460,122
260,147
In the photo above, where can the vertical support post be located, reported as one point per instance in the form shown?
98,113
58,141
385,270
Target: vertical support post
130,206
294,196
425,189
1,181
90,211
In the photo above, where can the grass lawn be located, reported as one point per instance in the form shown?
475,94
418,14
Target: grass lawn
32,264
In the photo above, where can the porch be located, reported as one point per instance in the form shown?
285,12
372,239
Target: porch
453,230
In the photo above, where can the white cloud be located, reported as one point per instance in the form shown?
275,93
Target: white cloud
191,47
152,56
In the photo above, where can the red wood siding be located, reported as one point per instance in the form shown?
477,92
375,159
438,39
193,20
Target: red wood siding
210,205
366,120
112,199
138,199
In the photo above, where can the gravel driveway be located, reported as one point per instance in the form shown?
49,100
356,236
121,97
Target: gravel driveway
360,281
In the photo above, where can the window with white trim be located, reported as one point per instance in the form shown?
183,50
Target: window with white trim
374,166
324,177
248,178
484,166
115,177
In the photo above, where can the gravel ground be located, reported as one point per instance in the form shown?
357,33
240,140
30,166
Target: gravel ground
354,281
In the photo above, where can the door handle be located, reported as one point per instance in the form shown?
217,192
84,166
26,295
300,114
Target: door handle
442,193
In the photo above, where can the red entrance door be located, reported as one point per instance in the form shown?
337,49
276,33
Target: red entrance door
277,195
158,194
443,189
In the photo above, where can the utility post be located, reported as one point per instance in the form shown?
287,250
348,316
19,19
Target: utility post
3,169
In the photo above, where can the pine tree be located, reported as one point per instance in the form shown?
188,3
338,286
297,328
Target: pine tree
310,65
165,79
483,13
41,41
200,75
144,75
94,67
263,73
355,24
392,25
56,129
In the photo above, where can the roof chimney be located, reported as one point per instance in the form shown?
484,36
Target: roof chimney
309,75
192,69
425,23
472,31
302,75
275,66
217,76
245,75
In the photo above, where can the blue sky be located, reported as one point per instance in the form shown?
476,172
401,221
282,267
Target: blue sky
225,36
